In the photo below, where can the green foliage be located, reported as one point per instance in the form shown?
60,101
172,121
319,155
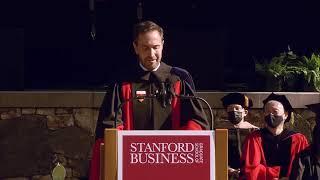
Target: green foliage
312,70
279,66
288,66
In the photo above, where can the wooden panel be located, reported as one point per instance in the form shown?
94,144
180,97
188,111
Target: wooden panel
110,153
221,150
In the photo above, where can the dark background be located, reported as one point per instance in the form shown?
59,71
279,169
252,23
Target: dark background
47,44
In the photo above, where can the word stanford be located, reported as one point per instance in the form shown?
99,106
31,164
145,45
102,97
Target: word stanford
166,153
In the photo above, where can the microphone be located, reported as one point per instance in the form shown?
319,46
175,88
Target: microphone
163,94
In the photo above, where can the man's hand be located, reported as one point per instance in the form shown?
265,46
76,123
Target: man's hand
233,172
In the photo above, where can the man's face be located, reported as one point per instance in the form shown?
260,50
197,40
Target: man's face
148,47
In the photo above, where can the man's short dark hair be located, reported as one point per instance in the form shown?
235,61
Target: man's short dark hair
146,26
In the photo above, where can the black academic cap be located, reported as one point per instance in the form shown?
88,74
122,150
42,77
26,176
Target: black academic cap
283,100
237,98
316,130
316,109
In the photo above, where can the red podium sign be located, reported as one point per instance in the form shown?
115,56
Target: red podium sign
166,155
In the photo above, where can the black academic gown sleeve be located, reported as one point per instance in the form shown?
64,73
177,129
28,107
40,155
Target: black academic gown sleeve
108,108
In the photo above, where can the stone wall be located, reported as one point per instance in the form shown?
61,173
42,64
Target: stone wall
34,140
40,129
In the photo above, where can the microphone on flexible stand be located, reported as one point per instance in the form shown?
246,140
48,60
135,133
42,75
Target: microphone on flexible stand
203,100
172,93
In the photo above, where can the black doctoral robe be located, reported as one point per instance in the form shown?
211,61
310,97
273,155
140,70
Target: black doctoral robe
236,137
306,166
267,157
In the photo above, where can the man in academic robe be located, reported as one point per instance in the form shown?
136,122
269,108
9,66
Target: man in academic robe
268,153
149,99
306,166
237,106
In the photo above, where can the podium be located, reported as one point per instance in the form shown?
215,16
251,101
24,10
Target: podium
219,153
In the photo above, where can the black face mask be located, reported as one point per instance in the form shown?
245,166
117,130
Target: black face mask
273,121
235,117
